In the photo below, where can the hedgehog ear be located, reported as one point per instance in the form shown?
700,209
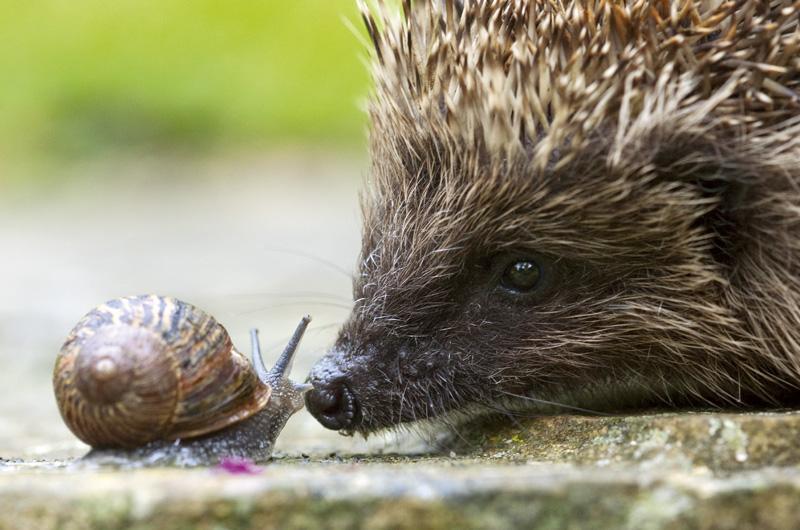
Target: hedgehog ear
712,179
725,220
729,190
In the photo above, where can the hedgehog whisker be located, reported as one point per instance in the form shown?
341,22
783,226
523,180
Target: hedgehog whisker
299,294
554,404
322,261
262,308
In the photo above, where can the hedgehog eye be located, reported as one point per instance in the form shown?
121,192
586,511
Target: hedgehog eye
521,276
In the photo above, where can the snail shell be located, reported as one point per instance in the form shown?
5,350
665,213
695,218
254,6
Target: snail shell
147,368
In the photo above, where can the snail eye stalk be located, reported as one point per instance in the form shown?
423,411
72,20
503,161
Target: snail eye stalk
283,365
258,361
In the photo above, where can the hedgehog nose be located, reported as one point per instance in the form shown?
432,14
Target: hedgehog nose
331,401
334,406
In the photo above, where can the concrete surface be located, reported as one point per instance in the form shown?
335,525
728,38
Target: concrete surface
381,496
718,442
635,472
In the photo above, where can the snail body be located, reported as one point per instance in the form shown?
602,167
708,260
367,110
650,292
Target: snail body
158,379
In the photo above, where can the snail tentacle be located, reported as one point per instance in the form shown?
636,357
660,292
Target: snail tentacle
258,360
283,365
302,388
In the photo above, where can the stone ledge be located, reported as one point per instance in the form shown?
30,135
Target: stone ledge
721,442
425,495
658,471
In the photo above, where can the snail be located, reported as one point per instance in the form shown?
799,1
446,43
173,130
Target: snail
155,380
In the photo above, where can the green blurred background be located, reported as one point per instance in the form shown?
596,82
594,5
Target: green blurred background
93,78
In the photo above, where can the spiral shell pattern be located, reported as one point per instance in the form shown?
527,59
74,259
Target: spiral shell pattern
146,368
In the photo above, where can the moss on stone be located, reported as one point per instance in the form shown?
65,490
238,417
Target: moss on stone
720,442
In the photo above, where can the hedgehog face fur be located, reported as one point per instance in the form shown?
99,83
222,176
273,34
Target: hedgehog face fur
589,202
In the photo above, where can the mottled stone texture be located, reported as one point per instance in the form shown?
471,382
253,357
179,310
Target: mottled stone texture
668,471
720,442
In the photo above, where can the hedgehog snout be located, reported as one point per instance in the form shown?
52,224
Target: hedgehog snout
332,401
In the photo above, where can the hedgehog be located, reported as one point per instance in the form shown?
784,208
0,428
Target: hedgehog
587,205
